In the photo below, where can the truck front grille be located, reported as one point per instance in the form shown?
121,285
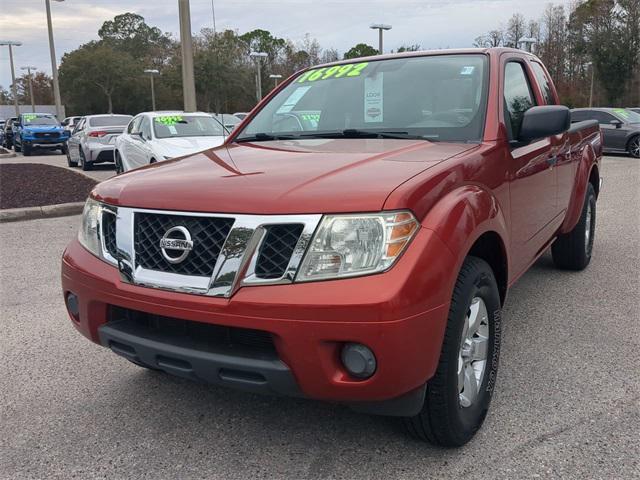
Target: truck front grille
207,233
276,250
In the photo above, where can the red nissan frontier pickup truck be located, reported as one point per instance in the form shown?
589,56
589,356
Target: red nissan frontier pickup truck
353,240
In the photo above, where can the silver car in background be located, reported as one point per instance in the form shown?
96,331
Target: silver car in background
93,139
70,123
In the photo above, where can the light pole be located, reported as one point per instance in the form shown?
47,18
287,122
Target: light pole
28,69
528,43
152,73
275,77
258,56
11,44
380,27
590,64
186,44
54,64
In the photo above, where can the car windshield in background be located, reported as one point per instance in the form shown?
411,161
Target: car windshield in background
34,119
170,126
110,121
629,116
438,98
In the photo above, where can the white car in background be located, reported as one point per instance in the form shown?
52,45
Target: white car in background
156,136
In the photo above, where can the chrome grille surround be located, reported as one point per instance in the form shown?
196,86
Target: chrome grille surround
235,265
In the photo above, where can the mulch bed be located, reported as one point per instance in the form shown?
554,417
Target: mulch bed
34,185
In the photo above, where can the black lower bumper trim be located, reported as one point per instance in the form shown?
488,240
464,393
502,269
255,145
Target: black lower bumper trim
223,366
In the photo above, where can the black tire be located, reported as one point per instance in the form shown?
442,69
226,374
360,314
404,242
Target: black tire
26,150
64,150
118,162
633,147
444,420
86,166
70,162
573,250
16,148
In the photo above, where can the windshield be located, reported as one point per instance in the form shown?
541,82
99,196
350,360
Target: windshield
110,121
171,126
37,119
440,97
627,115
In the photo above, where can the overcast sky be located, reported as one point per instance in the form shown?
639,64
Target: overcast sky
337,24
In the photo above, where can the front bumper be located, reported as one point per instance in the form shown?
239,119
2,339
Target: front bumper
400,315
37,142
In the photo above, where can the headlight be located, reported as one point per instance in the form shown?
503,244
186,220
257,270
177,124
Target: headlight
352,245
89,234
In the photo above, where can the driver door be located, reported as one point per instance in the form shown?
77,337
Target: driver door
531,169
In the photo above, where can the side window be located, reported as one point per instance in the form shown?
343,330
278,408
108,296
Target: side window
544,82
145,128
79,126
580,115
517,97
603,118
134,125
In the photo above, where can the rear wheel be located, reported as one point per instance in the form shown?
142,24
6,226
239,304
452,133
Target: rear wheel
458,396
634,147
572,251
16,147
86,166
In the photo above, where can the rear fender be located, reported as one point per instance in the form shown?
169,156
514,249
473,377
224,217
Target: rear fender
461,217
586,165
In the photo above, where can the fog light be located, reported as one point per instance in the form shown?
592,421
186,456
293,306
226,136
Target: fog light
359,360
72,305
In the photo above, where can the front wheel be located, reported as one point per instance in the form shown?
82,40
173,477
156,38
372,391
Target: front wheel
118,161
458,395
573,250
634,147
16,148
26,150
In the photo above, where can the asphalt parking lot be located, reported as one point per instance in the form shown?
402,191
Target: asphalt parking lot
567,404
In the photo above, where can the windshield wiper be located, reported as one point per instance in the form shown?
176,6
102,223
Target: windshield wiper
264,137
356,133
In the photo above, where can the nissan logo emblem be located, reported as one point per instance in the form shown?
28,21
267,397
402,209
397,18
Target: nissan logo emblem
176,240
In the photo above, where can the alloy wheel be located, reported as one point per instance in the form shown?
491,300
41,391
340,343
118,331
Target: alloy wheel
472,356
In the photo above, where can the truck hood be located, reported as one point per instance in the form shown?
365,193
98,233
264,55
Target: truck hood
42,129
280,177
180,146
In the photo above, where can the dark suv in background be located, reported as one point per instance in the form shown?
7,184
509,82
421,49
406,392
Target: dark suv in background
620,128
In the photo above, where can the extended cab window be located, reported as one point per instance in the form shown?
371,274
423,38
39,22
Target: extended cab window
440,97
544,82
517,97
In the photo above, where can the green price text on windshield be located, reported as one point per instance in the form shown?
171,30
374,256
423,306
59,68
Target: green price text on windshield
169,120
28,117
337,71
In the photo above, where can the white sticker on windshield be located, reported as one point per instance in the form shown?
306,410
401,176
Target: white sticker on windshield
373,99
293,99
172,129
467,70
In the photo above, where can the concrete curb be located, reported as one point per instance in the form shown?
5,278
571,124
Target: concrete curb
10,154
46,211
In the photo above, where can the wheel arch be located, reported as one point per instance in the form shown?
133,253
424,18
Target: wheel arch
471,221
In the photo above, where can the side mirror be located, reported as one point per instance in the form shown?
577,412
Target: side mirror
545,121
616,123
